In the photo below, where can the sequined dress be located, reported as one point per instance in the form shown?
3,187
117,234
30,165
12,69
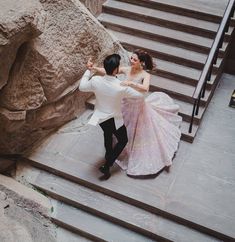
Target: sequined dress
153,128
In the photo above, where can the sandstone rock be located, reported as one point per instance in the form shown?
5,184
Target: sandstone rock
42,80
20,21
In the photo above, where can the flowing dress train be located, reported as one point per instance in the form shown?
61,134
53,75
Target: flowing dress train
153,134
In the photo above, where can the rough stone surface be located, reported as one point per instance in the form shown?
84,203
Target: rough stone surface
23,214
20,21
39,87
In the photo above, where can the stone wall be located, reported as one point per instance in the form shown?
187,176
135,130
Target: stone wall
44,47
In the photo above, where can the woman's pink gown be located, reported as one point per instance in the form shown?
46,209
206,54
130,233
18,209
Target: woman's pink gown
153,134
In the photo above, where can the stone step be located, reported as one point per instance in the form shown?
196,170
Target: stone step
163,51
91,226
123,188
160,34
186,112
185,135
177,90
64,235
161,18
211,10
179,73
115,211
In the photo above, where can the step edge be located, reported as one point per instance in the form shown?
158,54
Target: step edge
124,198
105,216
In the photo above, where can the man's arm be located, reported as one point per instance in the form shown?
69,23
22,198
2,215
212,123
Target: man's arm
132,93
85,84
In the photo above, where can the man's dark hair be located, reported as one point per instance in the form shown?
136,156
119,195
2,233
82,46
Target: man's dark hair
111,62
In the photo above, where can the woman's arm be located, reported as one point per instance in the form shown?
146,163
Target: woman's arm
144,87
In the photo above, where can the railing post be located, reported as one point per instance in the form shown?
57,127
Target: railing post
198,102
215,57
221,41
202,93
192,117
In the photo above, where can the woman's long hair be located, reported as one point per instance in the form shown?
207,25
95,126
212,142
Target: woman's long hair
145,58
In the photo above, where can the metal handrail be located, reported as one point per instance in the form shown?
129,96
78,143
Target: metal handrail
211,59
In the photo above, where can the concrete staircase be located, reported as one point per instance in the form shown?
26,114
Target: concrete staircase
179,35
106,212
182,205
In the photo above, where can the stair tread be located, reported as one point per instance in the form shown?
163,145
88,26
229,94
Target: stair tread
212,7
178,69
184,130
154,13
160,47
99,203
152,28
187,108
140,193
175,87
98,228
181,70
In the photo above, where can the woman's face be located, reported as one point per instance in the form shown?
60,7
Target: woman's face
135,62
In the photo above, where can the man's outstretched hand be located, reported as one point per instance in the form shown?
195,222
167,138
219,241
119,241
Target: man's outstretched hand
89,64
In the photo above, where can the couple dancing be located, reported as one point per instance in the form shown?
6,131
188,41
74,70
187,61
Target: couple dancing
141,133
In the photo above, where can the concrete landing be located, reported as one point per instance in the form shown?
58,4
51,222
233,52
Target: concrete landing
201,184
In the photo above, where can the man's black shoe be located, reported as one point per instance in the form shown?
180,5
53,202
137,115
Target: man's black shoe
104,169
105,177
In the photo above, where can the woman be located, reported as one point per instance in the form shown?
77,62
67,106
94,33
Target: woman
152,122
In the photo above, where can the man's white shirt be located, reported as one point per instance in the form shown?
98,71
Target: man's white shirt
109,94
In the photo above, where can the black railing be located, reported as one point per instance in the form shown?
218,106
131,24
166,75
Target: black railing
211,60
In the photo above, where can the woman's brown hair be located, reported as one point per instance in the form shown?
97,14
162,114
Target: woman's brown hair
145,58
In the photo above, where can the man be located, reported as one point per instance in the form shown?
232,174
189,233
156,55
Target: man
109,94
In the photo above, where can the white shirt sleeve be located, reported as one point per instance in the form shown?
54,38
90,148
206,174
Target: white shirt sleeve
132,93
86,83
